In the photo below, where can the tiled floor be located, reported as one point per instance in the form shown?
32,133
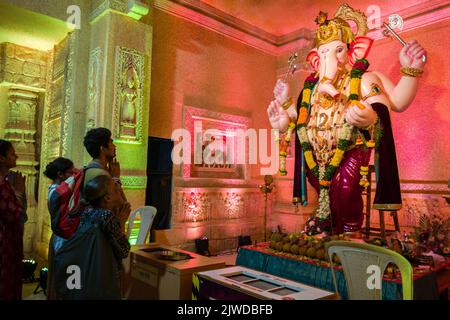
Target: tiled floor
28,292
29,288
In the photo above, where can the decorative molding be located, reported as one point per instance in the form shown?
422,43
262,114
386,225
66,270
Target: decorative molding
183,182
418,16
94,88
134,9
118,6
134,182
423,14
68,99
211,18
425,187
128,97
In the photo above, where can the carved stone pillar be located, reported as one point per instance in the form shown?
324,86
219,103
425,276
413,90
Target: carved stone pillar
21,129
23,73
119,85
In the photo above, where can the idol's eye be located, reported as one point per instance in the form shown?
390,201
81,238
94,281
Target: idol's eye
376,89
340,49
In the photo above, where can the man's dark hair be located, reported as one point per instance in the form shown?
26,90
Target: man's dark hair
58,165
96,138
4,147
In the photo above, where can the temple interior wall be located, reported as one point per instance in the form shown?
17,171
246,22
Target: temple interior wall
184,66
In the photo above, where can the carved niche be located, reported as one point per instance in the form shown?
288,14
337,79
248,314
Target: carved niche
129,80
94,86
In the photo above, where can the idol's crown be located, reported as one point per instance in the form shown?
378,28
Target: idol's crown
338,28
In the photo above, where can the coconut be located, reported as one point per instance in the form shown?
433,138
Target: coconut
279,246
302,250
320,254
294,249
311,252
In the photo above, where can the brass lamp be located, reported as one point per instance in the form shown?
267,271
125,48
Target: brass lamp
266,188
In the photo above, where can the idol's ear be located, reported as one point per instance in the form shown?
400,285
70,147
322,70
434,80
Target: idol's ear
313,59
359,49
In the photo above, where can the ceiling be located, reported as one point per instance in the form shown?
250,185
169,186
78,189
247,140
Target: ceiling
30,29
281,17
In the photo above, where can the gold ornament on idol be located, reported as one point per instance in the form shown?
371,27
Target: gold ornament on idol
286,105
330,30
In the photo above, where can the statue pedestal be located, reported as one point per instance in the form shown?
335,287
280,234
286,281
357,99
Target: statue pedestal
290,217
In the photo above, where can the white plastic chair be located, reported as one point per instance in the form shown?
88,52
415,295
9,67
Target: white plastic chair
356,258
147,214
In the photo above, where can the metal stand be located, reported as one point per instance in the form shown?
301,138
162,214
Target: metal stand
266,188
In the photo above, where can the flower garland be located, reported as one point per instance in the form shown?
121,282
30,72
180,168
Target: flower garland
283,150
325,174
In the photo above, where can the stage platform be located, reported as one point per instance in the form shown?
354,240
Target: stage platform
318,274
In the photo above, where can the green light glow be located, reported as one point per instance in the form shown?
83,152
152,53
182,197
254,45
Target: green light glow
138,10
134,232
19,26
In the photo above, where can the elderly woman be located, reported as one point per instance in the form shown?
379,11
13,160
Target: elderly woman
98,246
12,219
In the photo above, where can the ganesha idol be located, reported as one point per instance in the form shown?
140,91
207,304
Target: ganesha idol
342,113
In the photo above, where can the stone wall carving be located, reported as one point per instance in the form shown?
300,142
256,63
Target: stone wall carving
94,88
192,206
416,206
129,79
55,122
22,65
219,213
134,182
233,204
20,129
54,103
21,125
68,99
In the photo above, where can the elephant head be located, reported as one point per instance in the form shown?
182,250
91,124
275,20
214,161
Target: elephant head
336,47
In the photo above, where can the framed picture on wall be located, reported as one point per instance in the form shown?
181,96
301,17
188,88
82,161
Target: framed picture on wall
219,144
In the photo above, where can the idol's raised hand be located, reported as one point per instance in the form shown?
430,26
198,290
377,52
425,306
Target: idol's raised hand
412,55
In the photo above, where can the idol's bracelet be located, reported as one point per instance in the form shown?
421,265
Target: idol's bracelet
287,103
411,72
370,127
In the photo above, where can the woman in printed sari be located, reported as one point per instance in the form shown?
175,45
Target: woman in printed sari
12,219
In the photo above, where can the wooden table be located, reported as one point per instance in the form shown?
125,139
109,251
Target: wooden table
149,277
